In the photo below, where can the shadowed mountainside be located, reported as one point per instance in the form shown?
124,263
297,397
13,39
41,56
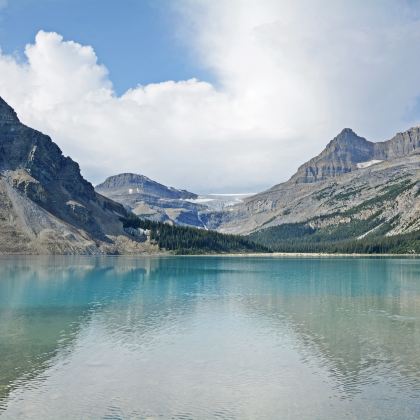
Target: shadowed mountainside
46,206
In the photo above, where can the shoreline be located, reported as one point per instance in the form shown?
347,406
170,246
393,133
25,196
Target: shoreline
297,254
230,255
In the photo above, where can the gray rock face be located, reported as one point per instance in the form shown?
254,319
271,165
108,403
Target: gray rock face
347,150
7,113
151,200
402,144
46,203
339,157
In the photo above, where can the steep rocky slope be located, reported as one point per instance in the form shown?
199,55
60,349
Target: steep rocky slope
372,188
348,152
46,206
341,156
150,200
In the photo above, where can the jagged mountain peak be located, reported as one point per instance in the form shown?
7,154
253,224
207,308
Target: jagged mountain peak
341,155
412,130
348,152
346,132
7,113
345,140
347,135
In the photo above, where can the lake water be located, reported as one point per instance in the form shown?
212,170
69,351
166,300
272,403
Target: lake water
209,337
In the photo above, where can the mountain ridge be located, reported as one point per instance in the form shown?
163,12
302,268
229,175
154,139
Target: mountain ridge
347,149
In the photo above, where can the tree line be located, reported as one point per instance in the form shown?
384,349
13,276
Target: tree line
189,240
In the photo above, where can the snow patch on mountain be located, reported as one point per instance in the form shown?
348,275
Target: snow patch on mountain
363,165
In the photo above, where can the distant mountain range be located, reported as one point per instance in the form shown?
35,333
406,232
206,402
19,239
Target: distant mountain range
354,192
153,201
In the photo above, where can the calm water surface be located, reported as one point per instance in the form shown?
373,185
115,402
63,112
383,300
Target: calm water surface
209,337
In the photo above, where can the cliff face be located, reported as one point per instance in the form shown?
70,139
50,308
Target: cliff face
341,156
346,152
402,144
46,202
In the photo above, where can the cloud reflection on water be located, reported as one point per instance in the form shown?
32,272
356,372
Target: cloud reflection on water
209,336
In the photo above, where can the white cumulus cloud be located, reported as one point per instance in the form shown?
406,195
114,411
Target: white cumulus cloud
290,75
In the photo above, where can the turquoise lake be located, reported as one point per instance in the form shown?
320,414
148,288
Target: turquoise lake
209,337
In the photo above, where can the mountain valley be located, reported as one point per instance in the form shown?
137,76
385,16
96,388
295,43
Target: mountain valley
354,191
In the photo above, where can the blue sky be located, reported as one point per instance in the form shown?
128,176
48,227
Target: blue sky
137,40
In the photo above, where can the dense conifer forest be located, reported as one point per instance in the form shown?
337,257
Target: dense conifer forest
187,240
293,237
298,237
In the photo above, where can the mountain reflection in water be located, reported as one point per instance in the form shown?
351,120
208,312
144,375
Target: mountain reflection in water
202,337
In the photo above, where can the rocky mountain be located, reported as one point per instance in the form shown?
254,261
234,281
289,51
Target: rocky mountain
133,184
150,200
341,156
348,152
46,206
353,189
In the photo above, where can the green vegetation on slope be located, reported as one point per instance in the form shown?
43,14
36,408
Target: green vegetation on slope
298,237
188,240
340,231
386,194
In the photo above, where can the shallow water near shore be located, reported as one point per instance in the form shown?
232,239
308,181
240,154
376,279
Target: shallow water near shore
209,337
